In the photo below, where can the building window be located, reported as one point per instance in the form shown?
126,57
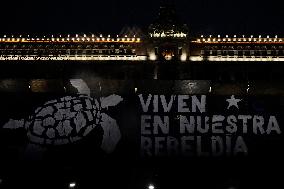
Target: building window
219,52
180,50
156,50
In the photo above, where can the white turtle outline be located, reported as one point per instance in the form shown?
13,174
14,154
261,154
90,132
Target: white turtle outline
111,131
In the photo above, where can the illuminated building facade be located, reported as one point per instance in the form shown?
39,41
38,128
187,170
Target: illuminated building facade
252,48
166,39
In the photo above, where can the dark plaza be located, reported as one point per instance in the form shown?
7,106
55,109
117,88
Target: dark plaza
164,103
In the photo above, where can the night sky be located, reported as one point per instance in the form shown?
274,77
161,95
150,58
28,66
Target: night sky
110,16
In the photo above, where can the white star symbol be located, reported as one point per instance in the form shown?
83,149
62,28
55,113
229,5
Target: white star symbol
233,102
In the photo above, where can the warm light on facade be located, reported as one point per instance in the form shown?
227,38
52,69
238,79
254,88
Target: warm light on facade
183,57
152,57
168,35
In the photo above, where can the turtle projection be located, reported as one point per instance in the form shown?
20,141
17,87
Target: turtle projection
69,119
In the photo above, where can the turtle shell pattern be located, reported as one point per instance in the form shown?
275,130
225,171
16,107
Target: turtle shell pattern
63,121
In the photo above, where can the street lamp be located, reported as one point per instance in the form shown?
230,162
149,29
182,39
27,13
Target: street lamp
151,186
72,185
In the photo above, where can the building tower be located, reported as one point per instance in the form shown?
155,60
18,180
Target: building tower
168,35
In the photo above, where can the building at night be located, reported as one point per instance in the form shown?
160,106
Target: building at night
166,39
160,108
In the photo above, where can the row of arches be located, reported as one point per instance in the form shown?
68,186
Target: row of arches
255,47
